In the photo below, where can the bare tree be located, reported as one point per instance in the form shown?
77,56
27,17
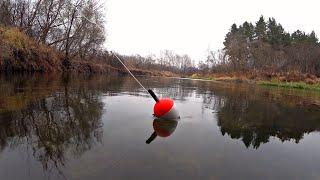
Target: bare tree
74,27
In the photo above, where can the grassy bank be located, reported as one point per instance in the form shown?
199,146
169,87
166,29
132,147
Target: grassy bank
294,85
305,82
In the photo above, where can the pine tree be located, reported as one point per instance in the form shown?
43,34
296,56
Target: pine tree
234,28
236,45
312,37
298,36
261,29
247,30
267,44
286,39
301,37
276,34
233,31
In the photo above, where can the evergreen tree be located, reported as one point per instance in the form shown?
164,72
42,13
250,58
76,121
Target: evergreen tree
275,32
233,31
298,36
236,45
261,29
247,30
268,45
286,39
312,37
301,37
276,35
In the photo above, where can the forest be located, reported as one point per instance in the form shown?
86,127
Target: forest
266,48
60,35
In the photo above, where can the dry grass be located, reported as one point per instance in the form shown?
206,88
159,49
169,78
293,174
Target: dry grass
226,77
18,52
21,53
14,38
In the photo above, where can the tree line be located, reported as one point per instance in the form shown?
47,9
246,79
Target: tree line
167,60
266,46
74,27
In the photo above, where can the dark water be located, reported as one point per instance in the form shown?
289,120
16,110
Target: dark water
97,127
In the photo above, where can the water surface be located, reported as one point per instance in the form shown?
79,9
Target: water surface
96,128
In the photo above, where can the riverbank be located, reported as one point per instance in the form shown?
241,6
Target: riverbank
294,85
21,54
288,80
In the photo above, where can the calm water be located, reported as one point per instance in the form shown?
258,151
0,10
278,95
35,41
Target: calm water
97,128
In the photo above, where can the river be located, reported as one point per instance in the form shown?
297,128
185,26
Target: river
96,127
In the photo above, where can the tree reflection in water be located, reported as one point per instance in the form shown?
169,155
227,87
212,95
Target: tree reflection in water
69,121
256,114
249,113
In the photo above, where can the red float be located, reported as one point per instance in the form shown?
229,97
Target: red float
165,109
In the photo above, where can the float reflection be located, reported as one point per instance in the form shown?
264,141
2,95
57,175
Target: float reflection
163,128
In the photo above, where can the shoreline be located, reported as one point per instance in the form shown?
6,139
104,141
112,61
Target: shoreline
261,82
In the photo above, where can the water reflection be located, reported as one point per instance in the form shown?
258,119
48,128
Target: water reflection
61,118
162,128
253,115
254,122
64,122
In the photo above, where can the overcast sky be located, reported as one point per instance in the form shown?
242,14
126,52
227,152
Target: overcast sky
192,26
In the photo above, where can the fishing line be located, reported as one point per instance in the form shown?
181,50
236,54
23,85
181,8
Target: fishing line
129,71
164,108
117,56
153,95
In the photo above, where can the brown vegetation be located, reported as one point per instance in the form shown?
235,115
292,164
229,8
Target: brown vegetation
20,53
